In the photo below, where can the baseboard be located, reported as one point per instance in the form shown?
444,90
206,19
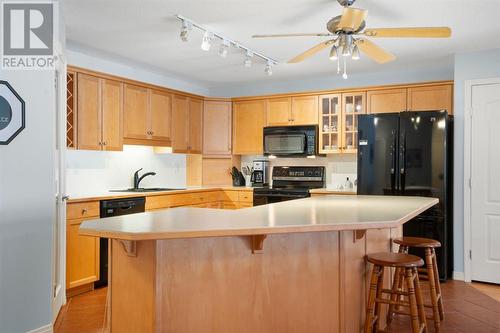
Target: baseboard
44,329
458,276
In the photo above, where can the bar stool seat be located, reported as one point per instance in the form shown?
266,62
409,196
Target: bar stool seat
417,242
391,259
429,272
407,265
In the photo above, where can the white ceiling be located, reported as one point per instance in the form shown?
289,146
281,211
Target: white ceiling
147,32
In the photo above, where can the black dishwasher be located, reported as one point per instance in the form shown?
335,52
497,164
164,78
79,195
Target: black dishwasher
109,208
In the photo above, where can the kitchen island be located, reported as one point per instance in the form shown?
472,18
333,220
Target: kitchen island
294,266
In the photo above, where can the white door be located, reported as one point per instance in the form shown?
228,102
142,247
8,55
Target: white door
59,230
485,183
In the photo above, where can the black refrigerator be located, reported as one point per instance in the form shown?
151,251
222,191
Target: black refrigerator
410,153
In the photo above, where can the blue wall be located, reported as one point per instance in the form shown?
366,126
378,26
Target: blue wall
469,66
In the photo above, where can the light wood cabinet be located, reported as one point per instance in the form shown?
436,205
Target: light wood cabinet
147,116
386,100
135,112
434,97
279,111
82,252
339,121
217,122
195,126
249,119
299,110
99,113
305,110
160,115
187,118
216,171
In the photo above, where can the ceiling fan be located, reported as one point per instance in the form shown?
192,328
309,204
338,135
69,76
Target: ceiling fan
349,37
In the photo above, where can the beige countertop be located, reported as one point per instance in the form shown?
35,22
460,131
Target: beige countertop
106,195
323,213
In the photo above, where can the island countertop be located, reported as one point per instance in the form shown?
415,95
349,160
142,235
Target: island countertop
328,213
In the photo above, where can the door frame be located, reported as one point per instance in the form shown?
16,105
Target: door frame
467,181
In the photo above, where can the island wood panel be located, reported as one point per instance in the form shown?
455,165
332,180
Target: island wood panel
217,122
160,115
132,302
279,111
112,115
195,125
385,101
249,119
135,110
431,98
305,110
89,112
218,285
352,281
180,132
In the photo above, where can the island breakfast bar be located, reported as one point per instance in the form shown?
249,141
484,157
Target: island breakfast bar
294,266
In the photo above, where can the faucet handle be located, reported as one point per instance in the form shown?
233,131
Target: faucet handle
138,171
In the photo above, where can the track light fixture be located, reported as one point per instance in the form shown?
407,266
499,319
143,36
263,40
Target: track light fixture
224,48
269,69
226,43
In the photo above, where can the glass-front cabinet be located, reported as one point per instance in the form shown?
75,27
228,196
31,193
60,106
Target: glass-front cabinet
339,122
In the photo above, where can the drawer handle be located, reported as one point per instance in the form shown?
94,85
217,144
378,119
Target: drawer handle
84,211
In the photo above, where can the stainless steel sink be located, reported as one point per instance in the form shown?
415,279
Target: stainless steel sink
148,189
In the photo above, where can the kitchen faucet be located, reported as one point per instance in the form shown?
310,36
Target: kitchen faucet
138,179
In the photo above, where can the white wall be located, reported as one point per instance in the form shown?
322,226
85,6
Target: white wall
112,64
94,172
442,70
28,207
478,65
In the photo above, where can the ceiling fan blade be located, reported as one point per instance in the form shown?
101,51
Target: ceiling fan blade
312,51
374,51
352,18
293,35
422,32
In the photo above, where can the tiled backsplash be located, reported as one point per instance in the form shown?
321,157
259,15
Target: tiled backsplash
336,166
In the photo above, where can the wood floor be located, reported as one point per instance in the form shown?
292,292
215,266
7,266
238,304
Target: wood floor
467,309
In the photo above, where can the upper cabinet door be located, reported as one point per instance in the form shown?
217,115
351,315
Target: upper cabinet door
305,110
112,115
249,119
160,116
217,117
279,111
195,125
135,111
386,100
353,105
432,98
180,124
330,123
89,112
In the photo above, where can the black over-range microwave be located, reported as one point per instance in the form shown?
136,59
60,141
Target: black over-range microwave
291,141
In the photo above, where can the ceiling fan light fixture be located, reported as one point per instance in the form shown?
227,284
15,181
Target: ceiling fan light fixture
334,53
355,52
207,38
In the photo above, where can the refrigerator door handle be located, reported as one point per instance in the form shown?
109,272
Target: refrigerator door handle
402,161
393,160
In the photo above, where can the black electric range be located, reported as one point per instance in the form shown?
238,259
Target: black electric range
289,183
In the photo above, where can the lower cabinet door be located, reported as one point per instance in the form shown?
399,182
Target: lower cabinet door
82,256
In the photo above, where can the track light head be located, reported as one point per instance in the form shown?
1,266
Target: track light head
248,59
207,38
224,48
269,69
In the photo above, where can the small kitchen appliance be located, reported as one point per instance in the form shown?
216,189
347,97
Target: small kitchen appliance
260,174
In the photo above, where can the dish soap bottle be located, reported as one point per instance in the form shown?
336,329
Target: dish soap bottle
348,185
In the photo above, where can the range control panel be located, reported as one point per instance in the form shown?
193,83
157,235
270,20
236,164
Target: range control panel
299,173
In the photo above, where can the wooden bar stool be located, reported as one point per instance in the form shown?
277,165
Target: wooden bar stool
408,264
431,272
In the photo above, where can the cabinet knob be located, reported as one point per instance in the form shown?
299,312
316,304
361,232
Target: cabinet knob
104,143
